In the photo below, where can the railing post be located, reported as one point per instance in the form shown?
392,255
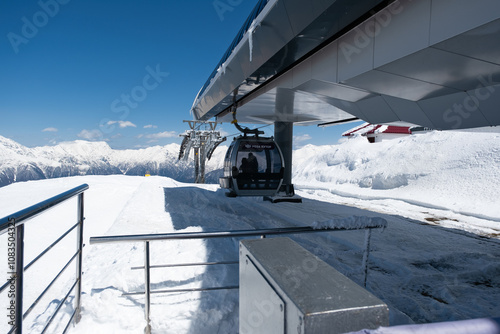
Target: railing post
366,253
79,240
147,287
19,277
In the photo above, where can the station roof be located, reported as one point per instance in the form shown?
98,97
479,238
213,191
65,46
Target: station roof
429,63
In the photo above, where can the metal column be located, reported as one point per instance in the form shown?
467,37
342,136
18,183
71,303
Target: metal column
283,135
200,178
196,165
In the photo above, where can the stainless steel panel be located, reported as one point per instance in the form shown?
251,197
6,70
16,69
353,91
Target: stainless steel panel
261,308
401,29
489,102
452,17
408,111
337,91
271,36
308,109
350,108
456,111
480,43
349,10
231,76
377,111
397,85
442,68
302,13
324,63
355,52
318,299
301,73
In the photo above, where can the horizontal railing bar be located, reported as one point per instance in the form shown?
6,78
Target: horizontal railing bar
69,322
219,234
183,290
59,307
48,286
186,264
32,211
50,247
4,286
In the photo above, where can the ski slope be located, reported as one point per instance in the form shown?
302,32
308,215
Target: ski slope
423,271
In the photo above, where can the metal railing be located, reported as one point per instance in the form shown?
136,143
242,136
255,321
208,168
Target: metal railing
147,238
13,225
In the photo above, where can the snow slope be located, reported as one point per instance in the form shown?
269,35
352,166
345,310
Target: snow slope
418,184
424,272
458,172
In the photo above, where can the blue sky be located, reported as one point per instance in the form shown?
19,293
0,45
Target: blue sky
126,72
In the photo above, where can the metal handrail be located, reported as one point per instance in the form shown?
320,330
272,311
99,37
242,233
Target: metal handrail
172,265
34,210
147,238
219,234
13,224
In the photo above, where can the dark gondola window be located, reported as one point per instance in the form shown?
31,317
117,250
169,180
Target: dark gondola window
259,165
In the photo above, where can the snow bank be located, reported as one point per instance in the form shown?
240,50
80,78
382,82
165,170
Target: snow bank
458,171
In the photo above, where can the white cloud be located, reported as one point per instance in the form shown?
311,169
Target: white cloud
49,130
150,126
90,134
301,138
165,134
122,124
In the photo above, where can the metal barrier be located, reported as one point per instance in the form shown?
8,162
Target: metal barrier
13,225
147,238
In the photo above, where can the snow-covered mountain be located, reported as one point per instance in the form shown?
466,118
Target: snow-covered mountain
457,170
20,163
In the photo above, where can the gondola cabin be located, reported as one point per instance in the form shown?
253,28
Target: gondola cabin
253,166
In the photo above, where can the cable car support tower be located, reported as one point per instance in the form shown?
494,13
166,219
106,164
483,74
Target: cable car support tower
203,142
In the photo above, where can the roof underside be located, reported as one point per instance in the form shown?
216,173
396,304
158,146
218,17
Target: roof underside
430,63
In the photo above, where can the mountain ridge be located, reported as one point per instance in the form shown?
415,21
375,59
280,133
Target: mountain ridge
21,163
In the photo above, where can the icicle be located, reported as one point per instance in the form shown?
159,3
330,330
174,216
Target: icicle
250,37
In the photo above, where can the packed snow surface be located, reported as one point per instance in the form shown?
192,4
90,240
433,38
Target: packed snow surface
424,270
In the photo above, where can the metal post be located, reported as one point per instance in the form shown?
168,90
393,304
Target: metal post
79,240
196,164
366,253
147,287
201,177
19,277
